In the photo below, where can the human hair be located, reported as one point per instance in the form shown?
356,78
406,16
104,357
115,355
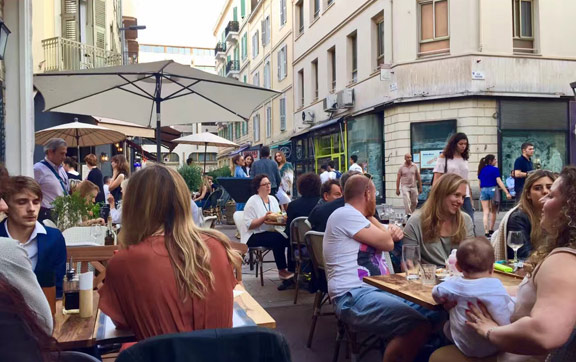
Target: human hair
249,157
13,305
527,205
265,152
71,162
309,184
91,159
167,209
331,164
74,183
324,167
85,187
327,186
355,187
564,234
4,180
236,158
433,210
206,181
450,148
345,176
282,155
18,184
105,180
255,183
354,158
525,145
53,144
121,164
475,255
189,160
485,161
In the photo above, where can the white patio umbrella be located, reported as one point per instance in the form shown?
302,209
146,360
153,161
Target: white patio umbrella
77,134
177,93
206,139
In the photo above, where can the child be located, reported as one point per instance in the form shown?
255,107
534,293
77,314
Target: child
475,260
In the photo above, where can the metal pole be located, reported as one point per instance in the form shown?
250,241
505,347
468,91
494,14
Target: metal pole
205,147
158,100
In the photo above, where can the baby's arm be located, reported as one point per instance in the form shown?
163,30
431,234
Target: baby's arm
439,294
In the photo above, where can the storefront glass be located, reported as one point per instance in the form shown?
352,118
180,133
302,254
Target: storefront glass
428,140
365,140
550,149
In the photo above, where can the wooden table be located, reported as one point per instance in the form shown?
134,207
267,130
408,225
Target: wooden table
71,331
418,293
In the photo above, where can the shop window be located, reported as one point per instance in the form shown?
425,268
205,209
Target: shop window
550,149
434,25
365,139
523,26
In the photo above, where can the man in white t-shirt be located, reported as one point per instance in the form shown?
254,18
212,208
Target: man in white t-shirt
326,174
352,248
354,166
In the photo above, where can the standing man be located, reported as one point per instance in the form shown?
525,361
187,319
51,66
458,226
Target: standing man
51,176
522,166
408,182
267,167
354,166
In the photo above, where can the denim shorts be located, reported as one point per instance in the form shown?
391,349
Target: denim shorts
368,309
487,193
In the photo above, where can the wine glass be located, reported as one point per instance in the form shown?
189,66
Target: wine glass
96,232
515,241
399,220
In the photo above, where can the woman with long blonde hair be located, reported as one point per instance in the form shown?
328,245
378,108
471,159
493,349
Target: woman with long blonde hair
440,225
170,276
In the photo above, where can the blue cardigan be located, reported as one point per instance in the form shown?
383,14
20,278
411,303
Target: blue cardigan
51,254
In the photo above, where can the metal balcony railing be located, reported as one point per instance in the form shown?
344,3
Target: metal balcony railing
232,66
233,27
65,54
220,48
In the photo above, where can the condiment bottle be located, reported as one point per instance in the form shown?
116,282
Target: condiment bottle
71,289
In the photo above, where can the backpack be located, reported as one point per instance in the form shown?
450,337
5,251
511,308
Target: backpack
338,174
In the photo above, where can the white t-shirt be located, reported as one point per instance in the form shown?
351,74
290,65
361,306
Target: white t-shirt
106,192
356,167
256,208
347,260
458,166
488,290
327,175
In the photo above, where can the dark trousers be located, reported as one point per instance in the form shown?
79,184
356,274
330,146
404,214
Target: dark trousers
278,244
467,208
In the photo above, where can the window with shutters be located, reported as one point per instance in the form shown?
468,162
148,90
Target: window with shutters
237,130
315,79
283,14
244,46
265,31
282,63
353,52
315,8
256,79
70,25
379,27
255,45
268,122
242,8
282,114
100,23
244,128
434,27
523,28
332,69
301,87
267,74
256,126
300,16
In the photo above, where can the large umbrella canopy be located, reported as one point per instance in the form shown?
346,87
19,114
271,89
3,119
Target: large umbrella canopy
206,139
77,134
177,93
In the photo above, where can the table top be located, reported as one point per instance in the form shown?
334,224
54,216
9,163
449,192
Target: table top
72,331
418,293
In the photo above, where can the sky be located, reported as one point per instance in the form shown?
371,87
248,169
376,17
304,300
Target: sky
177,22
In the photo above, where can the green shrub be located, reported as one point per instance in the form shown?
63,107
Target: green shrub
220,172
70,210
193,177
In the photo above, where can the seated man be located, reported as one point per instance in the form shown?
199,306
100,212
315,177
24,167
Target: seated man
309,189
45,246
320,214
352,247
330,191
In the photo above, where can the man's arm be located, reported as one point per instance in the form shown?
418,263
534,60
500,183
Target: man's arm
419,180
398,182
518,173
376,236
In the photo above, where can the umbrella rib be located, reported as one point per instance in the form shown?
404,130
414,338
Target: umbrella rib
181,95
137,86
181,89
241,85
136,94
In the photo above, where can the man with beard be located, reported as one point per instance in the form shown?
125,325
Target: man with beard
352,247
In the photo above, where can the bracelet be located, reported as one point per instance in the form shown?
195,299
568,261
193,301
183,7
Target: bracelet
488,333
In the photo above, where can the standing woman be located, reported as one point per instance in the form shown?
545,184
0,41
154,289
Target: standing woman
95,175
121,171
239,172
489,177
287,179
454,159
248,161
70,166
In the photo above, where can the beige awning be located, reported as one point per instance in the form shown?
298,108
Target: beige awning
128,128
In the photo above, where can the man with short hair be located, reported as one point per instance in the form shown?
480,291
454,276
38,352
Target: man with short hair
328,173
45,246
409,184
320,214
51,176
522,167
353,244
330,191
354,166
267,167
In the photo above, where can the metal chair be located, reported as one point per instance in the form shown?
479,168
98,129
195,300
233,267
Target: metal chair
256,257
298,228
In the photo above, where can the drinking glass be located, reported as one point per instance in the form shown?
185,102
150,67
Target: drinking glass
411,261
428,274
399,220
96,232
515,241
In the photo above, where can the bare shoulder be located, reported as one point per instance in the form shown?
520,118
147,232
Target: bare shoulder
558,269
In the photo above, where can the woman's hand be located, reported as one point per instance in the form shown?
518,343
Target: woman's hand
508,196
480,319
270,216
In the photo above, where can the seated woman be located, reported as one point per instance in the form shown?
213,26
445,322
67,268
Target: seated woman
309,189
204,194
440,225
260,208
88,191
544,317
170,276
525,217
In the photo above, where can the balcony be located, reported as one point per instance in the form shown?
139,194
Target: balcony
220,51
231,32
233,69
65,54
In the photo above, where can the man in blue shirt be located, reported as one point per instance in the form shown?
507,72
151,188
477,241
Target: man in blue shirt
522,167
267,167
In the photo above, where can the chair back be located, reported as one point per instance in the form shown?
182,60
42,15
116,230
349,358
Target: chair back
231,345
313,240
242,229
388,260
242,249
97,256
49,223
208,222
298,229
85,235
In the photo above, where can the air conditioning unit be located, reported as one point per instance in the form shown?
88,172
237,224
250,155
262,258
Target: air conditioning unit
346,98
331,103
308,117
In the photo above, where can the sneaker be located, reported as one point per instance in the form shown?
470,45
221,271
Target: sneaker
286,275
287,284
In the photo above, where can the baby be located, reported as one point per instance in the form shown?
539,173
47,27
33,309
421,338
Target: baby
475,260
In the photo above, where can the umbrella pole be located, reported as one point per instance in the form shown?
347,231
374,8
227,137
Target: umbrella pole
158,100
78,146
205,147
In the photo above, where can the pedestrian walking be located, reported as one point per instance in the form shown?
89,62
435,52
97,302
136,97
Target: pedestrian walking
409,184
489,176
522,166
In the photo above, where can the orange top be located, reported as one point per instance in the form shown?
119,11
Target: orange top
140,291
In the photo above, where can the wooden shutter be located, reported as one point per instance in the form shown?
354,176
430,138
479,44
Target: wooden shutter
242,8
100,23
263,26
70,25
235,14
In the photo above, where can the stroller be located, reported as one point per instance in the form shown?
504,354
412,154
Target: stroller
216,203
